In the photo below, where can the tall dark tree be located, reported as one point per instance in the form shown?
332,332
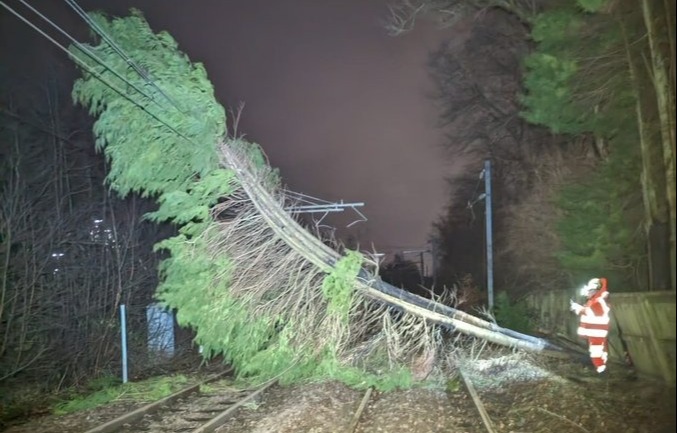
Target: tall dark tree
591,75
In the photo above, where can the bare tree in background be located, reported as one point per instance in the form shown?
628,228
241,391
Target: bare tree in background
70,253
403,14
478,91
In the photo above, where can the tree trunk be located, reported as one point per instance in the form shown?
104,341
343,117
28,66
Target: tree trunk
653,179
325,258
659,67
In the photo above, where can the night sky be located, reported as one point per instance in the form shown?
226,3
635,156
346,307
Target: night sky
341,108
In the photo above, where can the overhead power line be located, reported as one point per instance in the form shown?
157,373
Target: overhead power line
305,203
316,253
77,44
139,70
96,74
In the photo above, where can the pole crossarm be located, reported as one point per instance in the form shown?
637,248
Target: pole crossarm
304,203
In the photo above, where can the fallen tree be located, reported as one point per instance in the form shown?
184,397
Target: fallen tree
255,285
325,258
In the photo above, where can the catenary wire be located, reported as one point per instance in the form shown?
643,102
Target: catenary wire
78,45
139,70
95,73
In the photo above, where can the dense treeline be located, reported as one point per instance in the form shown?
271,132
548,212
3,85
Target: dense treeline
581,133
601,69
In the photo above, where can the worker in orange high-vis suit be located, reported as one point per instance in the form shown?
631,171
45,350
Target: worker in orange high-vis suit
594,321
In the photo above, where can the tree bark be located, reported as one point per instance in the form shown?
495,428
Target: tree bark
665,104
653,179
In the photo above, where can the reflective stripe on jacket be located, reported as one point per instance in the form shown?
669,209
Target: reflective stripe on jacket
594,318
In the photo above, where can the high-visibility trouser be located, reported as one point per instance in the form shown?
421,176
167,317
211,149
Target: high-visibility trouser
597,346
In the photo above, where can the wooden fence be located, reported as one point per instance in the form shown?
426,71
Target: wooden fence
644,322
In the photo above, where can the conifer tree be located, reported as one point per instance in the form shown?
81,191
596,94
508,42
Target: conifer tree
586,78
160,127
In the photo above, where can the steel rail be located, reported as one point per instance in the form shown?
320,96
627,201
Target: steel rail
133,416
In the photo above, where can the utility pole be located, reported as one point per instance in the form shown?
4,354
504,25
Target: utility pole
488,224
433,253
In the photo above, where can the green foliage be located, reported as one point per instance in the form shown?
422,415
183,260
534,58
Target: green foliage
195,281
109,390
193,204
453,385
591,5
261,346
374,370
256,345
515,316
175,160
549,98
599,228
552,30
146,153
384,381
338,286
577,83
169,150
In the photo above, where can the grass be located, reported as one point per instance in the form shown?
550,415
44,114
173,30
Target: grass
109,390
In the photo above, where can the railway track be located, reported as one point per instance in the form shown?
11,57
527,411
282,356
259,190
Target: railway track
358,415
199,408
205,407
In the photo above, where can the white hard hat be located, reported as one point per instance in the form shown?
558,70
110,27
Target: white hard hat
592,286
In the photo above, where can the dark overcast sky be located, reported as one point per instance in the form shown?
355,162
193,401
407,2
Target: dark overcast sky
340,107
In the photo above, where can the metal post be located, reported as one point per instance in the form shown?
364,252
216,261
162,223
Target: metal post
490,255
123,336
433,254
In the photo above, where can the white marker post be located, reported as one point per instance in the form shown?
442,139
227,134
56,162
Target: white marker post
123,336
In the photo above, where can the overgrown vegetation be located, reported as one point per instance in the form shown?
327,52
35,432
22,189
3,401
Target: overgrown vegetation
574,191
109,389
